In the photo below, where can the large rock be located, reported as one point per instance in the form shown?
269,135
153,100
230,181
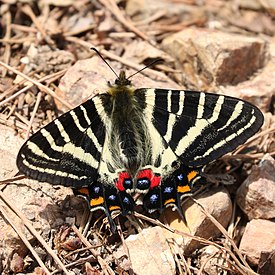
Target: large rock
260,90
256,195
142,10
212,58
88,77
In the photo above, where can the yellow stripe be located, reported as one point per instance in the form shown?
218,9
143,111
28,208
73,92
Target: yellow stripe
52,171
229,138
199,126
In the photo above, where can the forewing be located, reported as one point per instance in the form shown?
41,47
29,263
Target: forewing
67,151
201,127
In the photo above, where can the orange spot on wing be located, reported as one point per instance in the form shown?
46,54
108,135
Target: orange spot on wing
191,175
97,201
114,207
183,189
84,191
169,201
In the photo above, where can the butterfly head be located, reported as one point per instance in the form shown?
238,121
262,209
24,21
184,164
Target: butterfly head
122,80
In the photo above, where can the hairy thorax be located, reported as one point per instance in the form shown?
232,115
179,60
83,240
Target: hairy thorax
129,140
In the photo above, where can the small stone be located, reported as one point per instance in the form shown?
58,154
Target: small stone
44,59
17,263
256,195
140,51
142,10
9,146
267,263
150,253
259,236
212,260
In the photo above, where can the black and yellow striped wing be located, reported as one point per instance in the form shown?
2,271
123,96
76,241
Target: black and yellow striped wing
201,127
68,150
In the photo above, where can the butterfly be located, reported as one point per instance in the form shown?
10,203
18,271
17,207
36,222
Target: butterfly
127,141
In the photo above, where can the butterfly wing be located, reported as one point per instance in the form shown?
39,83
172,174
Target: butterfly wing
68,150
201,127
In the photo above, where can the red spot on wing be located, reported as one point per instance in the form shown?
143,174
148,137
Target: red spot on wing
120,182
147,173
155,181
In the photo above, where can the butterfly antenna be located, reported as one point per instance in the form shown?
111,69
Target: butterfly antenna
99,54
151,64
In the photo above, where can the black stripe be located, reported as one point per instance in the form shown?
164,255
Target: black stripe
211,136
55,133
161,99
226,112
66,163
160,114
43,144
175,97
97,126
70,128
160,120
